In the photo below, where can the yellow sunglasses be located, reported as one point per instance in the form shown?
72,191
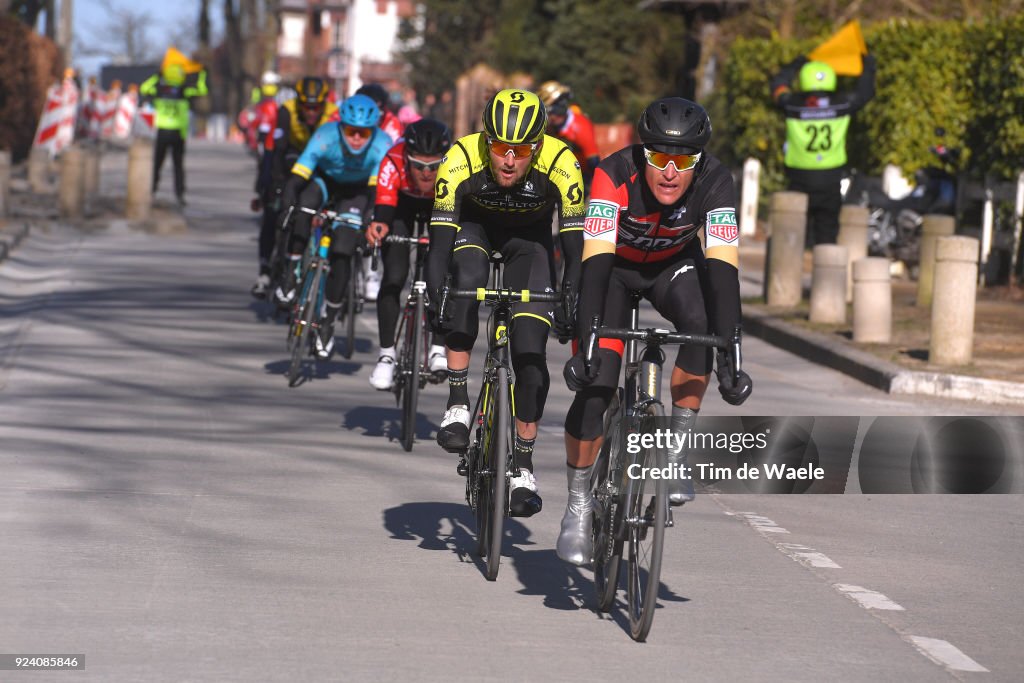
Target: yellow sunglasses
661,160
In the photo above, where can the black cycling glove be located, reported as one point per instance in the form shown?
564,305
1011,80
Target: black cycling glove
575,372
734,393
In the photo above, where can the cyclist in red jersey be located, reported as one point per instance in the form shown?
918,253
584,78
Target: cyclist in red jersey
405,196
648,203
393,128
389,123
568,122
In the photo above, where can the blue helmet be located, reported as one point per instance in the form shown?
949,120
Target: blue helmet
359,110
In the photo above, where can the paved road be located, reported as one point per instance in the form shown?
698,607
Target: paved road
171,509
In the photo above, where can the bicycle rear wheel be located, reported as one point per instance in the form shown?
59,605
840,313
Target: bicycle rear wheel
647,512
494,492
609,504
410,369
351,304
298,332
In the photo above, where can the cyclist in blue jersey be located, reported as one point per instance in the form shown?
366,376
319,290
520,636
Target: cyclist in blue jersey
341,160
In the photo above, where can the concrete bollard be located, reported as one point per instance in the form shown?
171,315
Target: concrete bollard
140,180
92,175
828,284
785,262
71,189
853,234
956,281
872,301
932,228
38,171
5,182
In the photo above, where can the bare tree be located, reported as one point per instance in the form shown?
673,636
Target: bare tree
123,36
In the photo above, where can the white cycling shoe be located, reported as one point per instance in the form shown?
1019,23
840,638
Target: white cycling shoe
437,363
524,501
383,376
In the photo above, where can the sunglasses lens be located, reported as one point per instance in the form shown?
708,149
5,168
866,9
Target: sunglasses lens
661,160
503,148
357,132
424,165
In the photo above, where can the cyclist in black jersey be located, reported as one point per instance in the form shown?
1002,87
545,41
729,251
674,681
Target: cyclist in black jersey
647,205
495,192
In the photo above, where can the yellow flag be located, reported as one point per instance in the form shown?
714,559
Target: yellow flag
843,50
174,56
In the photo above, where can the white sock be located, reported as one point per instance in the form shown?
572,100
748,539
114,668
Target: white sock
388,351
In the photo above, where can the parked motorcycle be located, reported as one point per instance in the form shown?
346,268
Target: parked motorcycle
894,225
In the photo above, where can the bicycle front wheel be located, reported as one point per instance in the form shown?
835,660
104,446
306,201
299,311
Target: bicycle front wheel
609,504
409,366
494,499
299,330
647,512
351,302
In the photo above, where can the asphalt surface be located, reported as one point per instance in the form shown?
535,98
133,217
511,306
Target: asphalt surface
173,511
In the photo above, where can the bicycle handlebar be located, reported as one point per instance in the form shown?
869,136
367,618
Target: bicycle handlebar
402,239
505,295
662,337
330,215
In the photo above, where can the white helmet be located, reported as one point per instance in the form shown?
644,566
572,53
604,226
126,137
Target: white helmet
270,78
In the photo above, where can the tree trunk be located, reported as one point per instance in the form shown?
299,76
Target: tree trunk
235,90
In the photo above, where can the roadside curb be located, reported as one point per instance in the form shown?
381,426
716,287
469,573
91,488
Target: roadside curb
871,370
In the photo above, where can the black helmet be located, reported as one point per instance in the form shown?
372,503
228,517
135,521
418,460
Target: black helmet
376,92
311,91
427,137
675,126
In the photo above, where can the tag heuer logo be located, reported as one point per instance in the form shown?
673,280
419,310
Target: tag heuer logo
599,209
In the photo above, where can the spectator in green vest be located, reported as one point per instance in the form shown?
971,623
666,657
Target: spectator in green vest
817,120
171,100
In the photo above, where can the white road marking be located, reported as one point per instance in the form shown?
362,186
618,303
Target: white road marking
816,559
946,654
762,524
868,599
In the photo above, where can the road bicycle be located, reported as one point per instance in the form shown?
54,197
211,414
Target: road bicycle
488,462
412,370
308,310
630,508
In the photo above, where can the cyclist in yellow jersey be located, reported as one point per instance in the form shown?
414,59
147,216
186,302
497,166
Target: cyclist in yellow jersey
495,192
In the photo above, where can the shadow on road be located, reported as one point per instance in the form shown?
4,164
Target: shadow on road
314,369
447,526
386,422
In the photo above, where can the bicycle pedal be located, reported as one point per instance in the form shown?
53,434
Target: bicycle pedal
462,468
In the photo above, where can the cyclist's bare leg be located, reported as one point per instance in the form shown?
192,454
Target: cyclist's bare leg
526,430
458,360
